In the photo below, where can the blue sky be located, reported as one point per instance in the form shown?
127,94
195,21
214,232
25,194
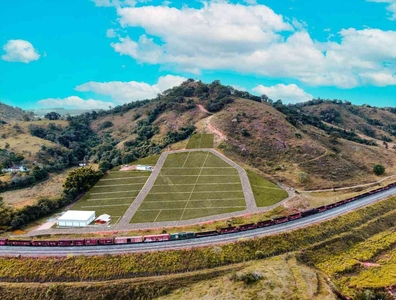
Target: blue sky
101,53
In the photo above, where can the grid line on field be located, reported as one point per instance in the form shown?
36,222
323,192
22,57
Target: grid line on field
181,217
110,205
199,192
126,184
193,208
197,200
177,184
104,193
188,155
123,178
106,199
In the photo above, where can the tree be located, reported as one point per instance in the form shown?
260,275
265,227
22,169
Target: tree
104,165
39,173
334,136
303,177
52,116
81,180
5,213
379,169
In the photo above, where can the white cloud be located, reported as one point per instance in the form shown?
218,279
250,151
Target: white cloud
391,7
290,93
19,51
122,92
75,102
254,39
111,33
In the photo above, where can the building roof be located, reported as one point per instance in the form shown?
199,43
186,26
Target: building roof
104,217
76,215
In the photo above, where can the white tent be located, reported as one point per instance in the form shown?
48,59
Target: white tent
76,218
103,218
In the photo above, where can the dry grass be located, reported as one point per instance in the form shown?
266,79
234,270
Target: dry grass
273,147
49,188
282,278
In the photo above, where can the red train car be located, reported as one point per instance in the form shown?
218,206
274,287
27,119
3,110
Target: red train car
3,242
322,208
106,241
44,243
156,238
19,242
91,242
128,240
206,233
71,242
247,226
265,223
294,216
229,229
281,220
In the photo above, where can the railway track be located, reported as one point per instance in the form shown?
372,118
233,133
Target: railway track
30,251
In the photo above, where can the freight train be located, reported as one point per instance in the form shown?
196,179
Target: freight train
182,235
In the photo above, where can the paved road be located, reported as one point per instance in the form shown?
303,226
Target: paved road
171,245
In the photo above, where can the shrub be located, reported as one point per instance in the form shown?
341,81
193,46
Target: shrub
106,124
378,169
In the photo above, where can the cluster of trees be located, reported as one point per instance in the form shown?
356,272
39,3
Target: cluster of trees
24,179
9,159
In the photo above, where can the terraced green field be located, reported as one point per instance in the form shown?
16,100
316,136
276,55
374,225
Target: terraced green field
114,193
265,192
200,141
192,185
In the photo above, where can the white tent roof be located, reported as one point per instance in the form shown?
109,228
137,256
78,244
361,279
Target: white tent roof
76,215
104,217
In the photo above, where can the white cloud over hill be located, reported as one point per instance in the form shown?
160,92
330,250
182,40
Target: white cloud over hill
122,92
290,93
254,39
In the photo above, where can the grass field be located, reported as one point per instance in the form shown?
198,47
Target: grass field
150,160
192,185
199,141
114,193
265,192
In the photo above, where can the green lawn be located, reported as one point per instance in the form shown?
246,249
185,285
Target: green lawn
113,194
265,192
199,141
192,185
150,160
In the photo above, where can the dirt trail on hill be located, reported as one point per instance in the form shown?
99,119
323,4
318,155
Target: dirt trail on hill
350,187
220,136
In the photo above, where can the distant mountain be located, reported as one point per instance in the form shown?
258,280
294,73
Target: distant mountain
41,112
9,113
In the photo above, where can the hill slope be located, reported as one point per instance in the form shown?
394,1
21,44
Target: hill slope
321,144
9,113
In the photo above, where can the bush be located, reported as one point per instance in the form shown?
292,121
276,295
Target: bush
106,124
378,169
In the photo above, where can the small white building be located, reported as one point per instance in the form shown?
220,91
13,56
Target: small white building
76,218
144,168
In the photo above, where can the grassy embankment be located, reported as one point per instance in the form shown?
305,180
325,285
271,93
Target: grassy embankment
200,141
